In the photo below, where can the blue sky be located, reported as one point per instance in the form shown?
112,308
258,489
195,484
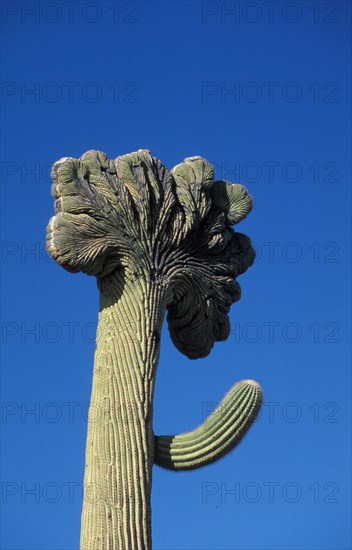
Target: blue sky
260,90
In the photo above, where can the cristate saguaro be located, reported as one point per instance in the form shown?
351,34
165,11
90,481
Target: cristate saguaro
156,241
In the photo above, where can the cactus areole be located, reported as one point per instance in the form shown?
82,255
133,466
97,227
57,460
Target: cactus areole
157,241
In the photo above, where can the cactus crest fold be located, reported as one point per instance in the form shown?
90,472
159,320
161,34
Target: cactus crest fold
159,243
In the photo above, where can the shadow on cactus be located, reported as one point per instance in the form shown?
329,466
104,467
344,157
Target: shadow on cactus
157,242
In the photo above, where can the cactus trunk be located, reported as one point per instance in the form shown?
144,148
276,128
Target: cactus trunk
120,442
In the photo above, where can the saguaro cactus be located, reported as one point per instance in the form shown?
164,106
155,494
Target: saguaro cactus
156,241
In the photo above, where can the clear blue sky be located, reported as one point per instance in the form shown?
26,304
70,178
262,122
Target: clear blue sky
261,90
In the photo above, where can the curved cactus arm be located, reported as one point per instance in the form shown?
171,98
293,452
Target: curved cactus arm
218,435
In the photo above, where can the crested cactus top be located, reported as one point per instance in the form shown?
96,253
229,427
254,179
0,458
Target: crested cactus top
133,216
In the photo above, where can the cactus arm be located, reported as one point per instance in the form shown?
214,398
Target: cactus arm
218,434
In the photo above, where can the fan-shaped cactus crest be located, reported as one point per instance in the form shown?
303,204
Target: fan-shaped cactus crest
157,242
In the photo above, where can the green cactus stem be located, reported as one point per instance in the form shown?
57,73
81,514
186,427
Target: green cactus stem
218,434
157,242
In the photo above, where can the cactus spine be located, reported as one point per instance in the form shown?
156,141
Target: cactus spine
157,242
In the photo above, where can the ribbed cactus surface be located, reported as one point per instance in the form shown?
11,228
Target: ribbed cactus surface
218,434
158,242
